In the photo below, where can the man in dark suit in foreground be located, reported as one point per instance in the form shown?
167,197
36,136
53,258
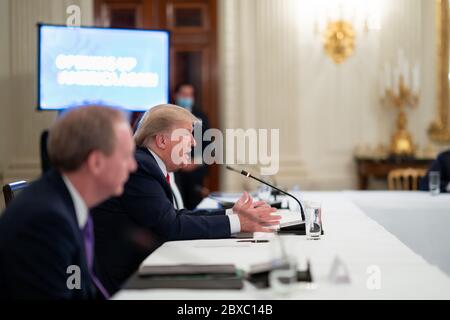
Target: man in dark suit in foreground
442,165
46,234
126,227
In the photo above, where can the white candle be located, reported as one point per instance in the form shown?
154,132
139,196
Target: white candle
396,80
406,79
388,76
416,78
400,57
382,83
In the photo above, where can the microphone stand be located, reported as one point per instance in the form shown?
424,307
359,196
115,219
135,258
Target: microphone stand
247,174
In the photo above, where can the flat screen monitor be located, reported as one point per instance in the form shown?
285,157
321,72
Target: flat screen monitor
126,68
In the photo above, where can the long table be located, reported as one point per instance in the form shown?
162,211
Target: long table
418,219
379,264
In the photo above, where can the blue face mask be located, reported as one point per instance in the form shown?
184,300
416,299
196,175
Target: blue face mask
186,103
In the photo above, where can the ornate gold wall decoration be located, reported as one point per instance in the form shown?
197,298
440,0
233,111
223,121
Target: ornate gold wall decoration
339,40
439,130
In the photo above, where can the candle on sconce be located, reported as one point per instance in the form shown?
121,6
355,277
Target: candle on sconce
382,86
409,73
406,79
383,81
400,57
416,79
388,76
403,66
396,80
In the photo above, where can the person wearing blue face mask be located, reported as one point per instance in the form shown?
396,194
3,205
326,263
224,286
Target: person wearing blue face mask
186,103
190,180
184,96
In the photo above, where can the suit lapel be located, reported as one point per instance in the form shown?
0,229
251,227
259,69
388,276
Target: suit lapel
151,167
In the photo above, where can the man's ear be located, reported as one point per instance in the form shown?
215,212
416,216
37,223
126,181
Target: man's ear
161,141
95,162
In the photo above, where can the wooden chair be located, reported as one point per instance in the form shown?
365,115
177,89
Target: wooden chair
11,190
405,179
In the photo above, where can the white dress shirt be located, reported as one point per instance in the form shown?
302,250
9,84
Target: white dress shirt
81,210
176,192
235,224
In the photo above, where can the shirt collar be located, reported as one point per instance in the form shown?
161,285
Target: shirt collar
160,163
81,209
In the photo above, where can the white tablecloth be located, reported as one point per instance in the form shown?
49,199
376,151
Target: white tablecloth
418,219
361,243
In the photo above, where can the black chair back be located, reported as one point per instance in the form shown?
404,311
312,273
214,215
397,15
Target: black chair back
45,161
11,190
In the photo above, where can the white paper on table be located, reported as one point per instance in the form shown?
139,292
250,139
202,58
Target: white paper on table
289,218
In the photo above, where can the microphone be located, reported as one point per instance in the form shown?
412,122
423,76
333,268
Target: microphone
233,169
248,175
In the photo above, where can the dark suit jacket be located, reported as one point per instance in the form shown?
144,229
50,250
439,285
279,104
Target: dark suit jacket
441,164
39,239
130,227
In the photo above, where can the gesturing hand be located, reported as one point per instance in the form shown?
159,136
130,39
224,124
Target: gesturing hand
255,216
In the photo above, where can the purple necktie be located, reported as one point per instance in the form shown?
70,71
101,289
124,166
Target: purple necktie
89,247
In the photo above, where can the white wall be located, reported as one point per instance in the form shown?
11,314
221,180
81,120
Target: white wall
20,123
274,74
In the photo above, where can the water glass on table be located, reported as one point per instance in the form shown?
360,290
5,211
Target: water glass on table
264,193
435,182
313,221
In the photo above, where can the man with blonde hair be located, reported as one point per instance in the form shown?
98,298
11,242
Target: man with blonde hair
46,234
146,209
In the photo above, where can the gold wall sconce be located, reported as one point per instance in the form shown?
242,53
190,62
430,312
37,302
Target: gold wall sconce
341,22
339,40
